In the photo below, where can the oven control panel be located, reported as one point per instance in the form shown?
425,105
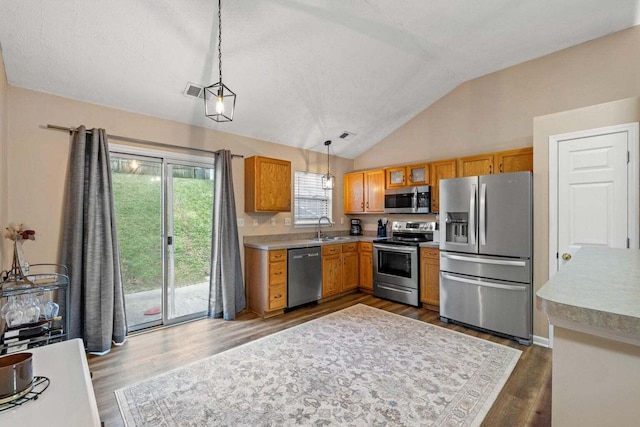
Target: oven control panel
412,227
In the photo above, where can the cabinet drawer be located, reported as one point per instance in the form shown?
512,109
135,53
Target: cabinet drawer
366,247
430,253
349,247
279,255
277,272
277,296
331,249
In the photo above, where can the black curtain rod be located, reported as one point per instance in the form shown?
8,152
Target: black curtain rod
142,141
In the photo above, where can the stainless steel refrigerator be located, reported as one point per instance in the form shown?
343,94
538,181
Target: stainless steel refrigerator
486,246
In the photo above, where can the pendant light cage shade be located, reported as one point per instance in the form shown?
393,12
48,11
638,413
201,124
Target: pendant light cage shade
219,102
328,180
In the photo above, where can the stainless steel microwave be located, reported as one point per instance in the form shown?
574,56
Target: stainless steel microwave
407,200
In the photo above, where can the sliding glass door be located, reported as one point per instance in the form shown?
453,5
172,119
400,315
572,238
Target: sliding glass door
163,220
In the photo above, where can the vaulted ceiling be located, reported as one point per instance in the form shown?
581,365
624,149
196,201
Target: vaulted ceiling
304,70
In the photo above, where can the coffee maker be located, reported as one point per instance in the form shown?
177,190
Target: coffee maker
356,228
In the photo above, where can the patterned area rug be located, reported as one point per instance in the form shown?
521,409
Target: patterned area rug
360,366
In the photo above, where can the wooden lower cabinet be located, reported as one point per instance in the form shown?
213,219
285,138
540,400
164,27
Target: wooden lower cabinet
430,278
340,270
331,270
350,273
366,265
266,280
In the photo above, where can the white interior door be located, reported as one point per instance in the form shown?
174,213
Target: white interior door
592,193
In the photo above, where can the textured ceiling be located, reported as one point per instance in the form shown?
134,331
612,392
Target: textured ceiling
304,70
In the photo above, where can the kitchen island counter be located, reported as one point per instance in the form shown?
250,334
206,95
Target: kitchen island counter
594,307
597,292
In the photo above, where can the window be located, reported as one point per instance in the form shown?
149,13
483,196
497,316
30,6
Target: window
311,201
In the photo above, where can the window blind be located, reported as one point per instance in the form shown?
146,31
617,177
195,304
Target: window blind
311,201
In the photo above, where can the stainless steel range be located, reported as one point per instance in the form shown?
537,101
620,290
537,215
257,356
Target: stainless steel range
396,264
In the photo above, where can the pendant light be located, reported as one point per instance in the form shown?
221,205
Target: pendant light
219,100
328,180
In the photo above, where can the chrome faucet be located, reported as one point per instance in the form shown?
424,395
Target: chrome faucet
319,221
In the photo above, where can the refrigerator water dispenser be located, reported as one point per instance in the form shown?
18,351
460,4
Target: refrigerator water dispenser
457,227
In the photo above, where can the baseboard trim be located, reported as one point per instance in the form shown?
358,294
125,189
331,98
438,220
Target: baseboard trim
541,341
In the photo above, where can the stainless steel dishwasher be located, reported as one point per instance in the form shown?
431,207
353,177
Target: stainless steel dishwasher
304,276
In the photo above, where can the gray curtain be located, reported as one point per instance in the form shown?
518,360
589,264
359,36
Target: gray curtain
90,245
226,296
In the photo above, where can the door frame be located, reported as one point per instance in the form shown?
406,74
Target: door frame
633,184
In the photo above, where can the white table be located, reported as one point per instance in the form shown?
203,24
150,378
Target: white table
69,400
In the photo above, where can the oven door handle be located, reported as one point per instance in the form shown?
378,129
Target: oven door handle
393,289
397,248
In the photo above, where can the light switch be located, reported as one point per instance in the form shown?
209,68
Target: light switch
255,222
273,222
287,221
240,222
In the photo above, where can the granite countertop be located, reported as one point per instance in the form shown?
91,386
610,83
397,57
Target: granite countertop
597,292
307,243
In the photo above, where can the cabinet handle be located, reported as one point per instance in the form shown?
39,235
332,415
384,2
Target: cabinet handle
278,273
277,296
367,205
501,168
362,205
490,168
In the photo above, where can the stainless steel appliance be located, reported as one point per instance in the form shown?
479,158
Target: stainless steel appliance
356,228
485,253
304,276
396,274
407,200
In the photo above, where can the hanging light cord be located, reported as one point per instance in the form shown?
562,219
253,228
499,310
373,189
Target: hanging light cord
219,41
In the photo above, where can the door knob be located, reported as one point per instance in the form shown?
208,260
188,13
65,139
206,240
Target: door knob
566,256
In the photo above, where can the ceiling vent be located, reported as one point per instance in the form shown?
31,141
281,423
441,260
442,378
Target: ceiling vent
346,135
193,90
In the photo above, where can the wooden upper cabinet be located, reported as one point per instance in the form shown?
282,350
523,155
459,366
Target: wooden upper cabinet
364,191
374,190
354,192
514,160
441,169
402,176
396,177
418,174
476,165
267,185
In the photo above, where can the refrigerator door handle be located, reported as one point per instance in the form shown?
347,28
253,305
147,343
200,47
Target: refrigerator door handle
472,216
483,214
484,261
483,283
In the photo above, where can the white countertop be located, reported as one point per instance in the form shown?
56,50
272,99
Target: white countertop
597,292
69,401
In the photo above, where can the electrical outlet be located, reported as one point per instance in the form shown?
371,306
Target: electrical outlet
255,222
341,220
287,221
273,222
240,222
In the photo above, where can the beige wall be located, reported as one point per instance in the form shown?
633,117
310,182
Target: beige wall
496,111
4,246
608,114
38,160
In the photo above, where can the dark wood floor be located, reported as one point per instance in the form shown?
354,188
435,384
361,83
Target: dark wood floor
525,399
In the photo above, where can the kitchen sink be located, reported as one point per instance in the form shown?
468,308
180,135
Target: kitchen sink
330,239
